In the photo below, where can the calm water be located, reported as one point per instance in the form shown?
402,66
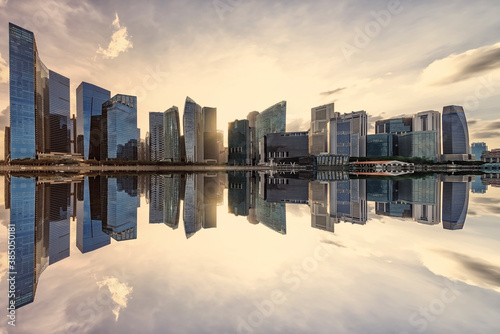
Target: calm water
250,253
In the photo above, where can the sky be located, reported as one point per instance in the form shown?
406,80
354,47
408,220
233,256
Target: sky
389,58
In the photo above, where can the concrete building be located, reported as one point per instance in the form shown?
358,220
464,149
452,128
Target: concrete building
348,134
320,121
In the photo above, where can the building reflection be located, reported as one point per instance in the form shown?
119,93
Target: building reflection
105,208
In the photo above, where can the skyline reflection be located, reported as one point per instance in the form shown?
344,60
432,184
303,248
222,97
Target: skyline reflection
105,207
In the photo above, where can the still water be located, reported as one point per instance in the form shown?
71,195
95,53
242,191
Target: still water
250,253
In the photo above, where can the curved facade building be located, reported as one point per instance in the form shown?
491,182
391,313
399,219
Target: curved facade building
455,131
171,128
193,131
455,202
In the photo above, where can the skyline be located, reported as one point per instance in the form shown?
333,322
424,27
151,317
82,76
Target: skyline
256,52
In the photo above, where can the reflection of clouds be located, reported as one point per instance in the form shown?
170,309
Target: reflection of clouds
120,293
457,266
331,242
298,211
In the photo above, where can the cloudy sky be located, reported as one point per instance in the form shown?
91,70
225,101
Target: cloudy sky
387,58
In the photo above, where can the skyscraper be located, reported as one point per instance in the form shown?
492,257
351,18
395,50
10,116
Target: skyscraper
428,122
271,120
157,136
320,119
348,134
171,127
118,125
39,104
89,101
455,201
193,131
238,139
455,134
210,149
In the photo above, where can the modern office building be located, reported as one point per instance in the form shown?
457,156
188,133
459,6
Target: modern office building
477,149
193,131
172,128
39,100
193,204
320,121
348,201
58,196
239,193
222,150
348,134
171,206
491,157
318,201
157,199
394,125
118,125
271,120
456,145
254,143
210,148
455,201
428,121
380,145
157,136
89,101
418,144
238,138
285,145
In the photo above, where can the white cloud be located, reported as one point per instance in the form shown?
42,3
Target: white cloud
120,41
460,67
120,293
3,3
4,70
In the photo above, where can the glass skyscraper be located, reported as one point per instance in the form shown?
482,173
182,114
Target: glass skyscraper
89,101
477,149
455,131
171,127
348,134
157,136
380,145
271,120
39,103
118,126
238,139
193,131
455,202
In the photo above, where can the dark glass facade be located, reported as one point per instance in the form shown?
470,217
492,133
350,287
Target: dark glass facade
172,128
60,124
455,131
118,125
157,136
193,131
271,120
238,138
210,147
280,146
395,125
455,204
419,144
89,101
380,145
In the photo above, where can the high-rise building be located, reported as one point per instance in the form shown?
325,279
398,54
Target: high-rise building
380,145
157,136
238,138
418,144
394,125
477,149
320,121
455,134
318,201
239,193
455,201
271,120
280,146
348,201
254,143
193,131
89,101
428,121
118,125
348,134
172,130
39,100
193,204
210,148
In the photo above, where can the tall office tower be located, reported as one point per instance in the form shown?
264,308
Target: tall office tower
318,201
271,120
118,125
348,134
172,129
89,234
172,200
222,150
455,134
477,149
394,125
157,199
157,135
37,105
289,145
22,217
424,195
428,124
254,143
193,131
89,101
238,140
210,196
348,201
320,121
59,118
455,201
210,148
380,145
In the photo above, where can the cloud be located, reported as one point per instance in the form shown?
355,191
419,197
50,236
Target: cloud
460,67
4,118
477,268
331,92
120,41
120,293
298,125
3,3
4,69
487,134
